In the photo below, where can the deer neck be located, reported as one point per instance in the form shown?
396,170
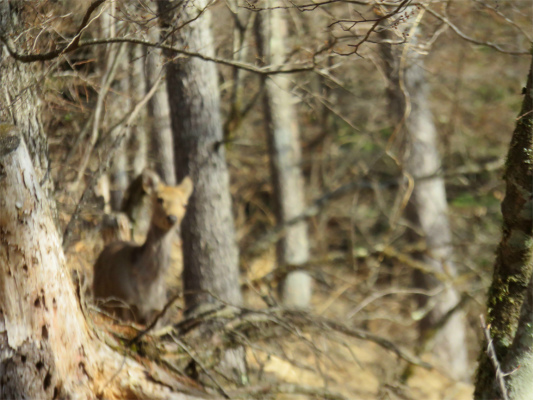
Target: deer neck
154,257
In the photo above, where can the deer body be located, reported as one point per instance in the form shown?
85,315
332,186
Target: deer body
129,280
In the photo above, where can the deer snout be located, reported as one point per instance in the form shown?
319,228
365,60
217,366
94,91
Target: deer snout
172,219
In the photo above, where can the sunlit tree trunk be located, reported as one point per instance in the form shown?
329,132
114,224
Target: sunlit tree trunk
161,144
427,208
285,156
37,299
511,329
20,105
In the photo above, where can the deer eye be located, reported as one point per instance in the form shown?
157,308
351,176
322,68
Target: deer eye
160,200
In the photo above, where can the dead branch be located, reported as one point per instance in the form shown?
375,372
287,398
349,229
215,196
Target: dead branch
276,233
261,391
470,39
491,353
104,164
73,45
231,322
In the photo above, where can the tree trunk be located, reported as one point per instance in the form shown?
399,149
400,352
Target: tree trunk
519,358
138,143
427,208
513,268
161,141
118,178
285,156
38,359
210,252
118,172
20,105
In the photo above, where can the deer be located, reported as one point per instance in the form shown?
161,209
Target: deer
129,279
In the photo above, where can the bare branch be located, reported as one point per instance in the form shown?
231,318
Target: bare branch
464,36
275,322
123,124
73,45
491,353
271,70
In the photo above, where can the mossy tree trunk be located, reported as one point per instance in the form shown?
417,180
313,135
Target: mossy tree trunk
514,262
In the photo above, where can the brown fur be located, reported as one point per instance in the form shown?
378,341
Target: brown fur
129,280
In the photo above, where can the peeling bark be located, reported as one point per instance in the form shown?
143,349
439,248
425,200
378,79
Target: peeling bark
42,333
20,104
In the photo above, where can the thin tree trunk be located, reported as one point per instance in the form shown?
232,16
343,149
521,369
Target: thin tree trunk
285,157
513,268
138,143
427,208
118,172
209,246
118,177
161,141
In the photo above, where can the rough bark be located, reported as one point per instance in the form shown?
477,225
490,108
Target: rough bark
285,156
210,253
46,349
427,208
161,154
519,358
209,247
20,104
37,302
514,261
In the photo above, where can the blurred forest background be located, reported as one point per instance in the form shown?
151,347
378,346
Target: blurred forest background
336,79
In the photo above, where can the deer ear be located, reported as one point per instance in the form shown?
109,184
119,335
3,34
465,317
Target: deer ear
187,186
150,181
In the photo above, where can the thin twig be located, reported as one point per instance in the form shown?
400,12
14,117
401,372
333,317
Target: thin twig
201,365
470,39
104,164
491,353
